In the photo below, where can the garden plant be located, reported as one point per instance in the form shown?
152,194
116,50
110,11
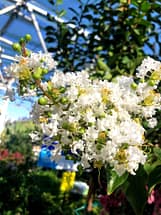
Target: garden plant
99,101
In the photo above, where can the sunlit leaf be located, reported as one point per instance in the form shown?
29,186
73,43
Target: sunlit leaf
62,13
115,181
58,2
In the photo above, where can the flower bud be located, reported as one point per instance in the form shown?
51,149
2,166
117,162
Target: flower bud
37,74
16,47
28,37
42,100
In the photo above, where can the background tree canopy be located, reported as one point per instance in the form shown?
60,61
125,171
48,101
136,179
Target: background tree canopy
118,33
16,137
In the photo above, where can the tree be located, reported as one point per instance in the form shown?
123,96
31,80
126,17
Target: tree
117,33
115,36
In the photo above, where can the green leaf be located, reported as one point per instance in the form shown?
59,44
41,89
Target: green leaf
136,191
102,66
74,11
107,76
149,167
154,177
134,2
125,60
145,6
154,161
58,2
62,13
49,39
157,152
115,181
136,31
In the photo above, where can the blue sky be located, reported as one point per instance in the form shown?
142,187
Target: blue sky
16,111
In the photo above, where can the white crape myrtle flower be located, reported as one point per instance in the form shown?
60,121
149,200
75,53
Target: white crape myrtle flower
54,124
58,79
56,153
103,124
152,122
25,65
40,59
89,117
35,136
91,134
85,160
100,121
143,89
65,138
106,154
135,156
148,65
72,93
128,160
36,112
148,112
77,146
122,94
121,133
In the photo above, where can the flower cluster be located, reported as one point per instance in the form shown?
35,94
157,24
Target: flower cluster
7,157
35,64
30,69
99,121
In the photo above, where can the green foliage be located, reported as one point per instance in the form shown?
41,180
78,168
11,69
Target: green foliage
12,192
135,190
28,190
115,31
16,137
43,192
115,181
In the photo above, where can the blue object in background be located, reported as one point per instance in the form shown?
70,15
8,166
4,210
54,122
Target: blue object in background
45,160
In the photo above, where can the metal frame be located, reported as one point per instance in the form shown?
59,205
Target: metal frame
33,10
20,4
16,10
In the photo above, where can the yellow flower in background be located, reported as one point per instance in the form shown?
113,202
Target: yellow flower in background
67,182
